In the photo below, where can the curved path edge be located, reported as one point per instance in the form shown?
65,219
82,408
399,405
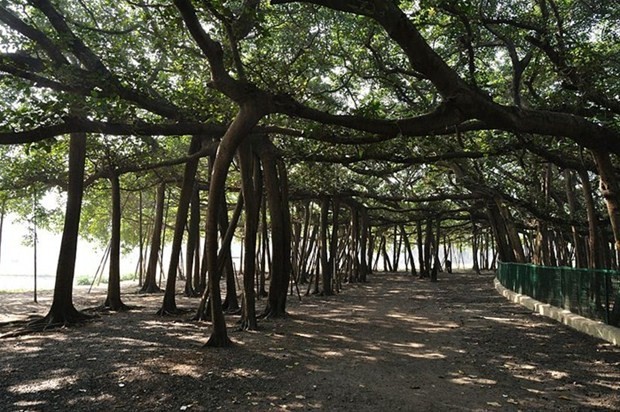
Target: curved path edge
588,326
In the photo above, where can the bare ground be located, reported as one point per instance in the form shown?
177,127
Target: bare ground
396,343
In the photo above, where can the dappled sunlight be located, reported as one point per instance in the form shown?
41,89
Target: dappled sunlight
408,345
365,350
473,380
427,355
30,405
332,354
45,384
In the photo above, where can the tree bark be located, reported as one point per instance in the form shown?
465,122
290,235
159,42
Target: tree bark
581,260
247,117
251,181
191,247
62,312
169,305
595,260
150,279
326,272
611,193
113,300
280,264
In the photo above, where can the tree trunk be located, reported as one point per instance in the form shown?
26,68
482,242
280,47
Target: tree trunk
408,248
333,244
251,181
150,279
421,260
113,300
169,305
193,230
244,122
474,247
62,312
264,258
611,192
511,231
435,242
581,260
595,260
363,264
326,272
280,263
230,304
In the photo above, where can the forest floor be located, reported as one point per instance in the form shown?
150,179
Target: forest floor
395,343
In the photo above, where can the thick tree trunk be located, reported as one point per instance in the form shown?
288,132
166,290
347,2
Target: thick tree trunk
62,312
275,189
611,193
113,300
246,119
169,305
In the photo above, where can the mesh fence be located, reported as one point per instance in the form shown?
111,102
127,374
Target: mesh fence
594,294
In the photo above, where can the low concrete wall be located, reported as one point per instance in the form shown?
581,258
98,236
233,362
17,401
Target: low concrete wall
585,325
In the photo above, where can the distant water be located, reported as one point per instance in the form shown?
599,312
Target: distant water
26,282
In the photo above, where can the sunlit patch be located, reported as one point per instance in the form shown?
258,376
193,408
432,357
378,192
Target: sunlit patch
305,335
332,354
473,380
26,404
38,385
529,378
340,337
558,374
407,345
245,373
500,320
429,355
524,366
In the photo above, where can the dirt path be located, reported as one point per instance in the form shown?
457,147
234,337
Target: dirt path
393,344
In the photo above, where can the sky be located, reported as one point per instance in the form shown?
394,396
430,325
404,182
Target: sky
17,259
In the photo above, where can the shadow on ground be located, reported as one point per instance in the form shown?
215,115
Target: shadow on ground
396,343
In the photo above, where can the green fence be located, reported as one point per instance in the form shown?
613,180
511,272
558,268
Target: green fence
594,294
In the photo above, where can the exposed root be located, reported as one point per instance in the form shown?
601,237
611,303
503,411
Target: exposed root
53,320
150,289
114,308
171,311
273,314
247,325
218,342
